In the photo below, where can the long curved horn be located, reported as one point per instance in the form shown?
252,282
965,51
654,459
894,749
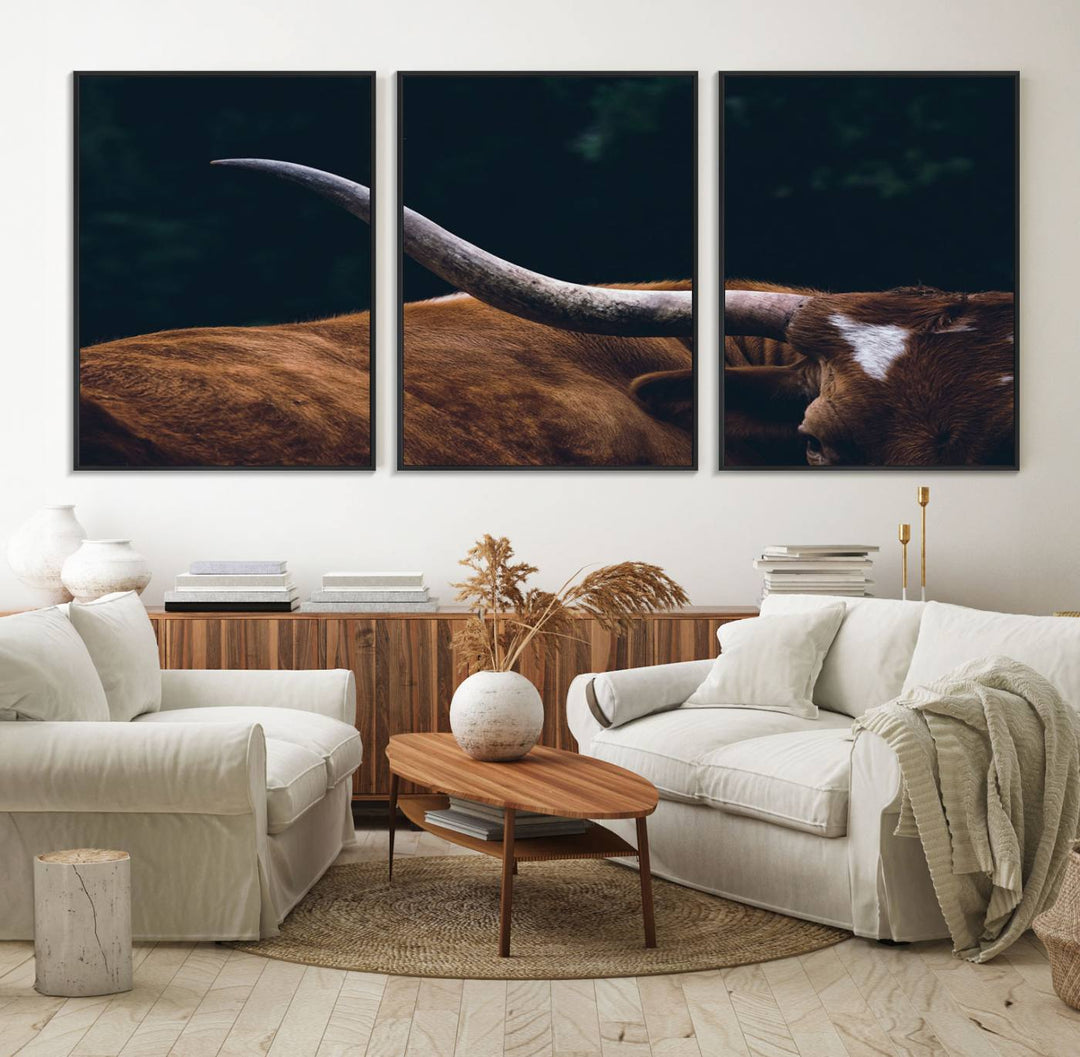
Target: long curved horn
760,313
506,286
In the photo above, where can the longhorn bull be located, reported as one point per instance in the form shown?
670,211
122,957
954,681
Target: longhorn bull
525,369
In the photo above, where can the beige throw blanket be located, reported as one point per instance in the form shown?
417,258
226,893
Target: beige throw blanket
990,760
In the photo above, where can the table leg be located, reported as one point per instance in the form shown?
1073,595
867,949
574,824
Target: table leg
646,882
506,896
393,822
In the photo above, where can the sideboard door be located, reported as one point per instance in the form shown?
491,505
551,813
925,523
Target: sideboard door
229,642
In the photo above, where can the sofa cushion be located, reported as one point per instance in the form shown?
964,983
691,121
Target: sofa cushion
336,743
799,780
295,780
121,642
953,635
668,748
869,658
45,670
770,662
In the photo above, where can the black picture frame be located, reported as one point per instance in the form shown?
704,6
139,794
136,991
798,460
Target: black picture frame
1010,76
692,190
79,78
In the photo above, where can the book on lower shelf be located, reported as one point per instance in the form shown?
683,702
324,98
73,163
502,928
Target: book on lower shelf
485,822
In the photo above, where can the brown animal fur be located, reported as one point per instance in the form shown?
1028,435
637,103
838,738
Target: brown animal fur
481,387
289,395
946,401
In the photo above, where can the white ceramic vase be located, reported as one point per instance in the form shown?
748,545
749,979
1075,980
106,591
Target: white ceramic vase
100,567
496,715
37,551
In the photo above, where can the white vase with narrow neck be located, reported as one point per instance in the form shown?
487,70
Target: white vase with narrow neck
496,715
37,551
100,567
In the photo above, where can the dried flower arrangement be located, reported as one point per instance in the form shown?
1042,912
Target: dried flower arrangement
508,615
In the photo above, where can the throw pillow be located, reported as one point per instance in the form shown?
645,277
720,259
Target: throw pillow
45,670
770,663
120,638
870,655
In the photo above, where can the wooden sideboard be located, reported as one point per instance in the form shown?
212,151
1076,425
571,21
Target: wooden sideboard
406,667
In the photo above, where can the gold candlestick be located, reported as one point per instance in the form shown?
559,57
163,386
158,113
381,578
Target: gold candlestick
923,497
904,535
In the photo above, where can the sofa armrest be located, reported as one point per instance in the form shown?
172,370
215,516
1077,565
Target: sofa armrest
596,701
876,783
892,896
329,692
579,718
192,768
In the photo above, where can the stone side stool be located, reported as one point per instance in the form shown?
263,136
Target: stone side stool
1059,929
82,922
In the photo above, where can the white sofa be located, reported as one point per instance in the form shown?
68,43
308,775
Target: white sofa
793,814
232,795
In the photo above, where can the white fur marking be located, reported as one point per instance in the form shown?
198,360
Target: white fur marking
1005,379
876,346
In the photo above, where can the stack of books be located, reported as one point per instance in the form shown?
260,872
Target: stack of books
371,593
486,822
817,569
234,587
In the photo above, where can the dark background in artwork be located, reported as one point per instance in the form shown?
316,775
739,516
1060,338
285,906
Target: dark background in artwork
865,183
586,178
166,240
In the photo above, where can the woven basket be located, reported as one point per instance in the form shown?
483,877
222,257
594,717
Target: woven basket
1059,929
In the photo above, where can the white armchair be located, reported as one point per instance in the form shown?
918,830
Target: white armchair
232,800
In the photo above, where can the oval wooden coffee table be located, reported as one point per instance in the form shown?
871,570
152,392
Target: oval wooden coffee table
549,781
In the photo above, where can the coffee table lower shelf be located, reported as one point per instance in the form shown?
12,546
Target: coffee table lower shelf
596,842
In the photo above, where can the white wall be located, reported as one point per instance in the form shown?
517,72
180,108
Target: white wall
1003,540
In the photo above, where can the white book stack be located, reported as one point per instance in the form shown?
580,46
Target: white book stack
485,822
817,569
346,592
234,587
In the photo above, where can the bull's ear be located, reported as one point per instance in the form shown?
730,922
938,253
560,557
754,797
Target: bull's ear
668,396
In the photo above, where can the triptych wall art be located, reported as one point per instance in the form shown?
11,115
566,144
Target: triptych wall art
223,315
547,261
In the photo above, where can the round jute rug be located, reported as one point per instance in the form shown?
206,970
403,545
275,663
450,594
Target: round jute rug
574,918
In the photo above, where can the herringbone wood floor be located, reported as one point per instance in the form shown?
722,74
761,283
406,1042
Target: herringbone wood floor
857,999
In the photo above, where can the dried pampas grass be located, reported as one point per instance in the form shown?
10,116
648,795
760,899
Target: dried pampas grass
507,615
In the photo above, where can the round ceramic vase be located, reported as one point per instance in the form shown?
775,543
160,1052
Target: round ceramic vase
496,715
37,551
100,567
